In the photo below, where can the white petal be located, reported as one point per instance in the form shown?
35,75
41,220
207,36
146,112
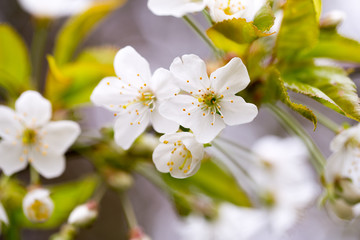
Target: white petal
33,108
112,94
207,128
163,84
231,78
161,156
3,215
282,220
190,72
48,165
59,136
131,67
9,125
342,138
127,127
40,195
176,8
162,124
11,160
237,111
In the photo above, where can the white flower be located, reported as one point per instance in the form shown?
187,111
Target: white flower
178,153
285,180
221,10
83,214
134,96
37,205
55,8
176,8
332,18
211,102
3,216
28,136
342,168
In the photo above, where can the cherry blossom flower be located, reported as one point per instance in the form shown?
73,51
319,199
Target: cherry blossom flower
211,102
37,205
83,215
221,10
55,8
178,153
3,216
285,181
134,97
176,8
29,136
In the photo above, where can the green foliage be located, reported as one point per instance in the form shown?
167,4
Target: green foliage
274,89
299,30
78,27
264,18
328,85
212,181
333,45
14,61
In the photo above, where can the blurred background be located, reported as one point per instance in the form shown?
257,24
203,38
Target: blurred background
160,40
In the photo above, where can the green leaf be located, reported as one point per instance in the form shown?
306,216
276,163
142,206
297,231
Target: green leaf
328,85
78,27
66,197
317,6
274,89
333,45
299,30
212,181
14,61
236,32
264,18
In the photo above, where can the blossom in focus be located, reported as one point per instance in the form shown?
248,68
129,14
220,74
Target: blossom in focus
28,136
134,96
210,103
178,153
176,8
55,8
285,181
342,169
3,216
37,205
84,214
221,10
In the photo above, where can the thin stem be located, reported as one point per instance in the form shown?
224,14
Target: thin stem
242,148
128,211
196,28
207,17
326,122
100,192
34,176
38,52
292,125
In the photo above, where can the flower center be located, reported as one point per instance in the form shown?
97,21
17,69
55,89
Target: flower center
147,98
231,7
180,155
38,211
29,136
210,102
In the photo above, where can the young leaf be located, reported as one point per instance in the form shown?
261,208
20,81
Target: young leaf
328,85
14,61
299,29
264,18
78,27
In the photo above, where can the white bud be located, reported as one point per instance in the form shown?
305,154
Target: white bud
83,214
332,19
37,205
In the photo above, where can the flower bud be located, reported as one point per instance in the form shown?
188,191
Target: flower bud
84,214
37,205
332,19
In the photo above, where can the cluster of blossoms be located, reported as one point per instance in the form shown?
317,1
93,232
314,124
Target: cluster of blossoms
184,96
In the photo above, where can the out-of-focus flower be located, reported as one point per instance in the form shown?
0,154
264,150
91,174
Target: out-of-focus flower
55,8
176,8
28,136
83,215
178,153
37,205
3,216
138,234
134,96
211,102
332,19
232,223
221,10
284,179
